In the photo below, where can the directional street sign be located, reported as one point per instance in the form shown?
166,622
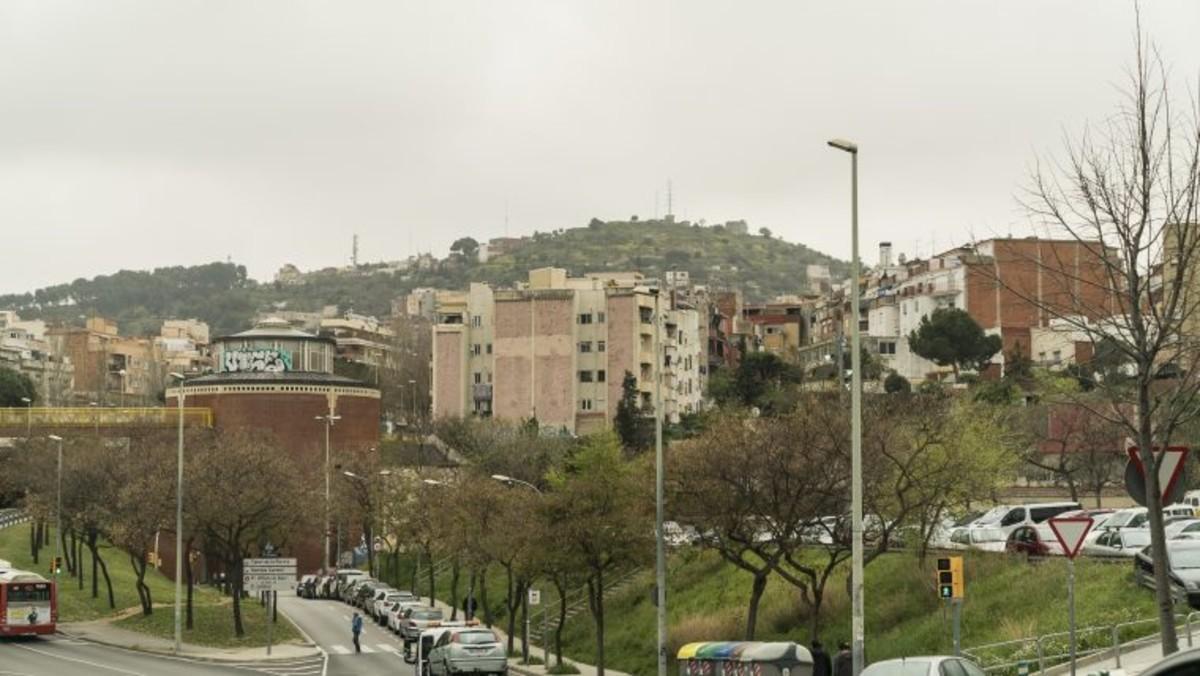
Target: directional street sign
1170,469
1071,531
259,575
535,597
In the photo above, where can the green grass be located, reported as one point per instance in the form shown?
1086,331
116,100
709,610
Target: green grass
214,621
214,625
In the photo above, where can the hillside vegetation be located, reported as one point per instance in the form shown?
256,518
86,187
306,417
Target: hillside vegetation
224,296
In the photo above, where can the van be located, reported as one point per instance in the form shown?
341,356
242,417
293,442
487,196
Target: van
1031,515
1192,499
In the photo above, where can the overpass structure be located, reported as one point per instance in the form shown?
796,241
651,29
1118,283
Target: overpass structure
22,422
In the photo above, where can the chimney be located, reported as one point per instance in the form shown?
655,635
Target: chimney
885,254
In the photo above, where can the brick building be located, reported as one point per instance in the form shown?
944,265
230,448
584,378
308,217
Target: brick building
279,379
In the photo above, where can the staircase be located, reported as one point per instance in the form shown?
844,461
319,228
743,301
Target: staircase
577,602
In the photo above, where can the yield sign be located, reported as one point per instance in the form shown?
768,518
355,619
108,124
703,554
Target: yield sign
1170,466
1071,531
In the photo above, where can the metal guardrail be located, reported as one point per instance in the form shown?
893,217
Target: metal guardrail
1050,650
102,417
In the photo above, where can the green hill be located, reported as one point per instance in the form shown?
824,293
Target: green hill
224,296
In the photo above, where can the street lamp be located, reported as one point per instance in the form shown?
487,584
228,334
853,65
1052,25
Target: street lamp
95,416
28,417
58,509
660,550
856,497
413,401
178,515
329,419
511,481
123,373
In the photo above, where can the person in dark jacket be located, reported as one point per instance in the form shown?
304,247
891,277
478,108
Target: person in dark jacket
821,663
843,664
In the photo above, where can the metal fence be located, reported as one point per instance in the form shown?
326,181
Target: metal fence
102,417
1039,653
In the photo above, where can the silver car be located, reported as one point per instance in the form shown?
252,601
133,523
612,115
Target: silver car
470,650
924,666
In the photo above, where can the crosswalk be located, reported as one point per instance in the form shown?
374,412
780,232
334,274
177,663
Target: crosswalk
300,666
366,648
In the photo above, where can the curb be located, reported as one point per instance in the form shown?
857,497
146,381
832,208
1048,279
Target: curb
200,657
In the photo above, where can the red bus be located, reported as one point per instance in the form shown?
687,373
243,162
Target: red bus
28,603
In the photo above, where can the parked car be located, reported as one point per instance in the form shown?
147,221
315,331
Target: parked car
987,539
1182,663
1178,526
416,621
399,612
1179,510
924,666
1122,543
1033,541
350,591
303,586
1183,570
344,577
470,649
364,595
382,604
1031,515
1134,517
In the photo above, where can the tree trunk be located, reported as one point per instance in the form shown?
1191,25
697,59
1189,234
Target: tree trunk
469,614
815,623
415,568
510,609
1158,545
91,545
432,589
1099,490
191,582
235,578
483,599
79,558
562,619
454,591
756,592
596,601
139,569
35,539
112,601
525,627
370,547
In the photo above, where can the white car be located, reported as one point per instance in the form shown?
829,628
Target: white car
390,597
924,666
396,614
985,538
1122,543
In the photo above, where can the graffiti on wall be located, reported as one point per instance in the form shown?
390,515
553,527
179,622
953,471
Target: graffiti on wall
269,361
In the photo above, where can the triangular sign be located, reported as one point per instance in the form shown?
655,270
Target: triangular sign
1170,467
1071,532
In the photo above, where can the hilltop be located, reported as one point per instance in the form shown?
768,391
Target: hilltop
722,256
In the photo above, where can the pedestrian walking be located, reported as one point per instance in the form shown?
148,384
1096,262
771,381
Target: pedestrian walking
356,629
822,666
843,664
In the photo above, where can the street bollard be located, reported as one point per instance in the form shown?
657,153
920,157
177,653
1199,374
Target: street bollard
1116,638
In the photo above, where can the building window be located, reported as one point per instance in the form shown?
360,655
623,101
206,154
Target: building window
600,375
489,348
600,345
478,378
585,318
887,347
585,376
476,321
585,346
585,405
476,348
599,317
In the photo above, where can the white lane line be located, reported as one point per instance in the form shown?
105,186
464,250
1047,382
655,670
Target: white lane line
388,648
78,661
339,649
14,673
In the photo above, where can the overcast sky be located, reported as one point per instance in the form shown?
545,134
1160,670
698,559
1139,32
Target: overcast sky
140,134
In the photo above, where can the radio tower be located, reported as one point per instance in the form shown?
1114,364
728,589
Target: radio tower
354,252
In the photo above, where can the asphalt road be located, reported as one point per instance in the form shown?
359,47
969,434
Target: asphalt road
61,656
327,623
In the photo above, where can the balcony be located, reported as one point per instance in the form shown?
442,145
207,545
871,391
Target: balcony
481,392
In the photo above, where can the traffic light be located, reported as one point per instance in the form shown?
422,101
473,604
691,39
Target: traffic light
950,577
56,565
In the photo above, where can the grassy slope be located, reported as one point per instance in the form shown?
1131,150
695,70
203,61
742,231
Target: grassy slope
214,620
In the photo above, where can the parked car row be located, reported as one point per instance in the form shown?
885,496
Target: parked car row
441,646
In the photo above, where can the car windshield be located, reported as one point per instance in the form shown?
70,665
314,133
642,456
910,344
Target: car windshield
475,637
993,515
905,668
1185,558
427,614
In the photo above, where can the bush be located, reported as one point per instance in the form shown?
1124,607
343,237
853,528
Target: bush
896,383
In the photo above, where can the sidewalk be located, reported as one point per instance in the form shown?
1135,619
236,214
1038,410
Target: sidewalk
514,663
1133,662
103,632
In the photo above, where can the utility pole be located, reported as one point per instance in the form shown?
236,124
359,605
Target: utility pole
660,555
328,419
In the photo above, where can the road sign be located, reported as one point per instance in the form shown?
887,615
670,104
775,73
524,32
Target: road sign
1170,469
1071,532
535,597
259,575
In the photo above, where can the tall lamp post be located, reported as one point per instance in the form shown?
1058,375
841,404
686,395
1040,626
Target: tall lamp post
328,419
58,508
660,552
28,417
510,482
413,402
124,376
179,395
856,497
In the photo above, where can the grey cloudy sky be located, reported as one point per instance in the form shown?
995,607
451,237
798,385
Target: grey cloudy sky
137,134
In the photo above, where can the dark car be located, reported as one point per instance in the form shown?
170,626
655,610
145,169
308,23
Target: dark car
1183,570
1030,541
1182,663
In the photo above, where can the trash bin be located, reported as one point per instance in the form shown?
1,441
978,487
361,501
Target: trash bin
1023,669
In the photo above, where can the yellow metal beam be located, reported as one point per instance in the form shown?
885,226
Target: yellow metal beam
94,416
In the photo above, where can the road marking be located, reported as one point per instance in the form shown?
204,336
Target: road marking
339,649
388,648
78,661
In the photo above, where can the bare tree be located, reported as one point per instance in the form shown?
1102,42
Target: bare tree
1125,198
